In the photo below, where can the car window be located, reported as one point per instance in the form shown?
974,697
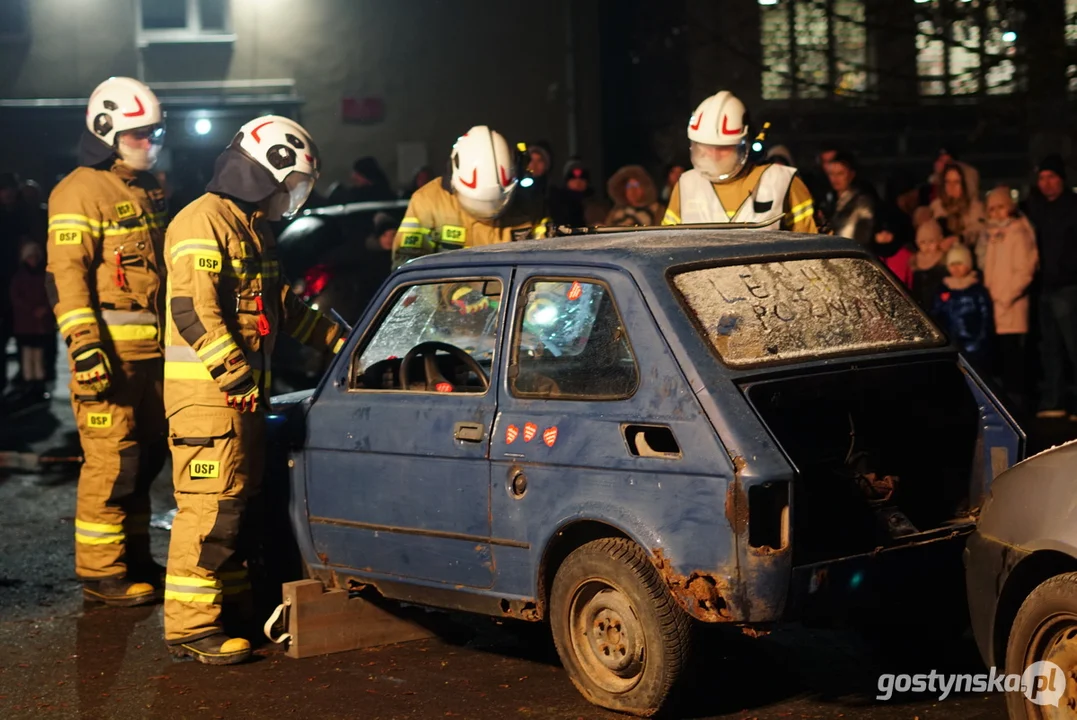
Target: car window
462,314
801,309
570,343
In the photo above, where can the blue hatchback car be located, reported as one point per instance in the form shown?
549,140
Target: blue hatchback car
625,434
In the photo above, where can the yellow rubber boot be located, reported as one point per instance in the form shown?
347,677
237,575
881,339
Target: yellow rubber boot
118,592
216,649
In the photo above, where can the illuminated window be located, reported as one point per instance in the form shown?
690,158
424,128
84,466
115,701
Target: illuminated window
183,20
813,48
966,48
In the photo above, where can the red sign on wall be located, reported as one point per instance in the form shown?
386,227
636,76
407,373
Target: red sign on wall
362,110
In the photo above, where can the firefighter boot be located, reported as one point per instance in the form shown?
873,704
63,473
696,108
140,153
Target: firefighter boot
118,592
216,649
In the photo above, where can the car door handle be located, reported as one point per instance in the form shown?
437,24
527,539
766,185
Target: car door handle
469,431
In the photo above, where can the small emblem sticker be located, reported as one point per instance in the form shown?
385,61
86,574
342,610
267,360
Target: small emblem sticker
549,436
529,431
511,433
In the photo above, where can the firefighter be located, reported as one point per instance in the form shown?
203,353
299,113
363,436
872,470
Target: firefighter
227,305
723,186
474,203
106,284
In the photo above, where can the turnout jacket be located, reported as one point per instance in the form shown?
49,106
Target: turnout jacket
105,273
227,303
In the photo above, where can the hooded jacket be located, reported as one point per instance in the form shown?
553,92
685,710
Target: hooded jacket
624,214
227,301
105,273
962,308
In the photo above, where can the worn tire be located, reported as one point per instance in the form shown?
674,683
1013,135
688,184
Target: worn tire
1045,629
610,587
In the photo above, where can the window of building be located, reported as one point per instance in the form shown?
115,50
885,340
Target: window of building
813,48
183,20
1071,41
967,48
570,343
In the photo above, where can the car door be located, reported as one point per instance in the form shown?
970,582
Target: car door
398,467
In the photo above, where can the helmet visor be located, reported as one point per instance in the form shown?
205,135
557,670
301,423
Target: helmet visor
719,163
297,186
489,204
140,147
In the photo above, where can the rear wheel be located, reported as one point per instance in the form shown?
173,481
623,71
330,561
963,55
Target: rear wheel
1045,630
619,633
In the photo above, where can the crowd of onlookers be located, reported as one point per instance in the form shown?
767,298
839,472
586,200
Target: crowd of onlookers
992,269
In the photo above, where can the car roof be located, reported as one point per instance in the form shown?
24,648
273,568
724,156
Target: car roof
646,248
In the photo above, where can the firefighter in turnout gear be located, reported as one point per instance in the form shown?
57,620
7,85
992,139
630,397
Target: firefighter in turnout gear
477,202
227,305
106,283
723,186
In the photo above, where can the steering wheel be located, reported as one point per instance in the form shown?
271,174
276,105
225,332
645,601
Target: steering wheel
427,351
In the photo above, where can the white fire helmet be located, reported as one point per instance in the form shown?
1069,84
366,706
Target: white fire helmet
126,115
483,172
286,150
718,135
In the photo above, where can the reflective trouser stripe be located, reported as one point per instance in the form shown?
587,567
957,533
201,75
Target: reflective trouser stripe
89,533
206,590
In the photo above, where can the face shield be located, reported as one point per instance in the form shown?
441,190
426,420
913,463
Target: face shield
291,195
140,147
719,163
489,204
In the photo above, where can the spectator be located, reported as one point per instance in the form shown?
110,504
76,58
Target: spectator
635,199
854,209
13,232
893,241
1052,210
962,308
575,204
930,190
928,266
958,208
672,174
421,177
1010,259
368,184
34,325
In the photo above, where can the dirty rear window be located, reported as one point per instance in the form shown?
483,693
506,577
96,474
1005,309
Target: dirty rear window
800,309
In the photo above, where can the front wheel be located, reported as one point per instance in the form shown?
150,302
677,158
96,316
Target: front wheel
1045,630
619,633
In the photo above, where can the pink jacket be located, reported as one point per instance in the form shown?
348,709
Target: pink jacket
900,263
1010,260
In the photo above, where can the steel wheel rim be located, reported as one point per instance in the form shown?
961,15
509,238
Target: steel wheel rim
607,636
1055,640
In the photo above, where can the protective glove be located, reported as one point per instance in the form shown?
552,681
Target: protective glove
245,398
469,301
92,371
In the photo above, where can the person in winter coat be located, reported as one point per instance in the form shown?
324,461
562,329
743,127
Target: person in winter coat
1010,260
34,323
368,184
635,198
928,265
575,203
958,209
854,209
962,308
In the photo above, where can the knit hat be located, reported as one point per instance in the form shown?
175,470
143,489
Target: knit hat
959,255
574,168
1055,164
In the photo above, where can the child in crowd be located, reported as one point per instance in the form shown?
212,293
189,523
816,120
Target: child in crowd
928,264
962,308
34,325
1010,258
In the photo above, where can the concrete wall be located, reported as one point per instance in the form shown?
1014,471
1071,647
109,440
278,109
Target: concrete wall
440,66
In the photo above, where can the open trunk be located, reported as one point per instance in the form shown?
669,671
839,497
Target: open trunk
885,456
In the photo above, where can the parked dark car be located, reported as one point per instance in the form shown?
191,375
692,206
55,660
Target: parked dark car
624,434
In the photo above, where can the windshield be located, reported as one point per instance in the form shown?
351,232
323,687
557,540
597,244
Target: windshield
765,313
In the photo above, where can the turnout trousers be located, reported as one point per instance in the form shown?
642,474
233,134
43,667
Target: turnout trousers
217,465
123,437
